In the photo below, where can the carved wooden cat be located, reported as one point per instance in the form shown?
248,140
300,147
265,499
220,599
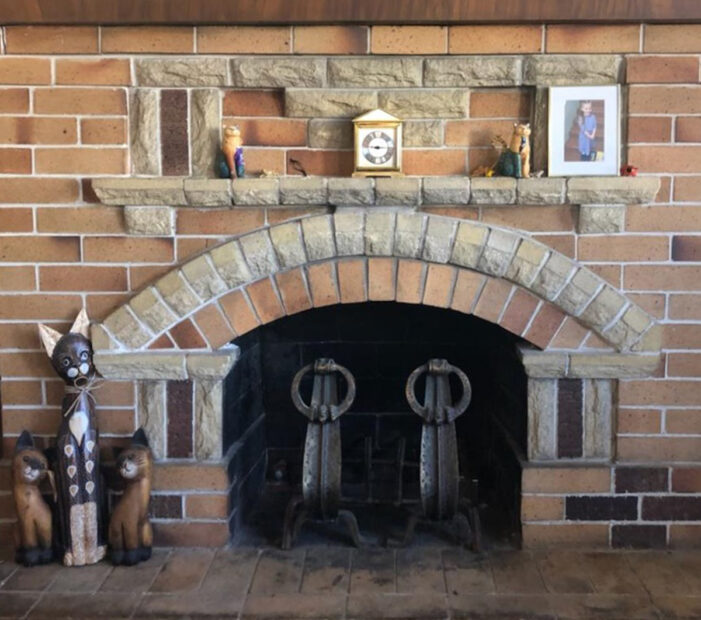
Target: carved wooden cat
130,534
78,452
33,532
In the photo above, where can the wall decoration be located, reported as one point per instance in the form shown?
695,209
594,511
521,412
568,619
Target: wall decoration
378,145
583,131
78,453
230,164
33,530
130,533
515,157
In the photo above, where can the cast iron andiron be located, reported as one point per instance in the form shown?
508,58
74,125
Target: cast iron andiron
321,471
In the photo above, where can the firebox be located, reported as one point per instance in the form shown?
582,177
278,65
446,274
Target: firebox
380,343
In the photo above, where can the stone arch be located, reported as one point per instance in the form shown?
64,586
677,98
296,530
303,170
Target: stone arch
499,274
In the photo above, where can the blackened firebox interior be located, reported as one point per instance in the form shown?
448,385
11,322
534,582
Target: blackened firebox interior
380,343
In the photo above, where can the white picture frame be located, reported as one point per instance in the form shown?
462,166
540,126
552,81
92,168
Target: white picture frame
584,130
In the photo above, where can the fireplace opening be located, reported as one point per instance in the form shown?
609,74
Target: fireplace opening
380,343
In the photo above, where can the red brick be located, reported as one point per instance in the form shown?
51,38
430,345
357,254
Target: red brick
352,280
322,284
662,69
519,311
672,38
22,392
15,161
186,335
214,326
25,335
187,534
683,421
206,506
14,100
39,249
662,278
542,218
293,291
40,307
408,39
665,99
325,163
659,392
38,130
271,132
434,162
565,244
685,306
243,39
164,341
637,421
663,219
102,101
476,132
500,103
265,160
623,248
438,289
381,279
330,39
218,221
105,71
650,129
467,286
687,189
682,335
127,250
17,279
102,219
51,39
265,301
492,299
666,158
688,129
103,131
594,39
81,279
684,364
410,281
501,39
25,70
544,325
101,305
239,312
661,448
148,39
253,103
36,421
81,161
571,335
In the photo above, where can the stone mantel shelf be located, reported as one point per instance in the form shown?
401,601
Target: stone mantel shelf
402,191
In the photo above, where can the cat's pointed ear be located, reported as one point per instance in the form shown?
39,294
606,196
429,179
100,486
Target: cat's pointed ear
49,338
81,325
24,441
139,438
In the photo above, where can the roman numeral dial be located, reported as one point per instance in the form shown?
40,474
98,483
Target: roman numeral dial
378,147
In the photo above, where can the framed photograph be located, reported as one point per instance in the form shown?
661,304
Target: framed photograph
583,131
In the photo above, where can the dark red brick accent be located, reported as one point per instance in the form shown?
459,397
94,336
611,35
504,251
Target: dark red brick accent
672,508
641,479
186,335
166,507
569,418
601,508
686,480
179,405
639,536
175,154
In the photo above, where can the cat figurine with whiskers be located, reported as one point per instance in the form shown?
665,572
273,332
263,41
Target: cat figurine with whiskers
33,530
130,533
78,453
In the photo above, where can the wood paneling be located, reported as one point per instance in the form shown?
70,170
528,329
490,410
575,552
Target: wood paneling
343,11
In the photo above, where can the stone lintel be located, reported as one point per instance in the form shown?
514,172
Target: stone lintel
164,366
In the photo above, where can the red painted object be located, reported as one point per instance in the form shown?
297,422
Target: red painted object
629,171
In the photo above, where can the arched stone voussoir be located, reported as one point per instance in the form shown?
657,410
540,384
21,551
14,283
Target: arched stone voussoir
246,281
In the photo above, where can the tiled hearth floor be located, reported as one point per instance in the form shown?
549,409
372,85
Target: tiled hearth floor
334,582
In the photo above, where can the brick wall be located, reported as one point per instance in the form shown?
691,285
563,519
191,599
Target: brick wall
65,97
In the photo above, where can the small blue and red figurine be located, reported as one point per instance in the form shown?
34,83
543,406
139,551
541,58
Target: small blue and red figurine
230,164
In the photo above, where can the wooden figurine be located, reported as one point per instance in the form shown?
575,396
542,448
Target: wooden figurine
230,163
33,531
130,534
78,453
515,158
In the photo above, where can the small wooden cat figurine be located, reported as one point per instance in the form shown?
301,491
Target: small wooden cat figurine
514,160
78,452
130,534
33,528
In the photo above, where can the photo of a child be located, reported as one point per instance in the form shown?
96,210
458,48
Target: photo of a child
584,130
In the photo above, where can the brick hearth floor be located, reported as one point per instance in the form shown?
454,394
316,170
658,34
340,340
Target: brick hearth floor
333,582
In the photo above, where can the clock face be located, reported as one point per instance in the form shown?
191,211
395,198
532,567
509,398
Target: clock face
378,147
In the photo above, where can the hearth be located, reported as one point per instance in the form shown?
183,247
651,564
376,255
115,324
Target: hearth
381,344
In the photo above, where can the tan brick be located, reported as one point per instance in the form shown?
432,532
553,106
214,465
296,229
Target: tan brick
17,279
467,286
429,162
687,189
186,336
519,311
187,534
22,392
685,306
321,162
542,218
41,249
664,100
169,477
51,39
37,130
650,129
683,421
662,69
544,325
650,449
672,38
272,131
127,250
352,280
41,307
628,248
500,103
79,279
684,364
148,39
14,100
103,101
202,506
542,535
214,326
218,221
266,160
663,219
500,39
492,299
570,335
36,421
81,161
438,290
265,301
322,284
243,39
685,537
253,103
542,508
25,70
408,39
105,71
410,281
639,421
239,312
659,277
688,129
330,39
103,131
595,39
381,279
293,291
476,132
15,161
659,392
667,158
102,219
568,480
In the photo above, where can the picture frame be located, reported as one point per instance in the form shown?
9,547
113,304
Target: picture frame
584,130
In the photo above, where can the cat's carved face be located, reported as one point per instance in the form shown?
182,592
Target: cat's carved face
522,130
28,464
134,463
72,359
